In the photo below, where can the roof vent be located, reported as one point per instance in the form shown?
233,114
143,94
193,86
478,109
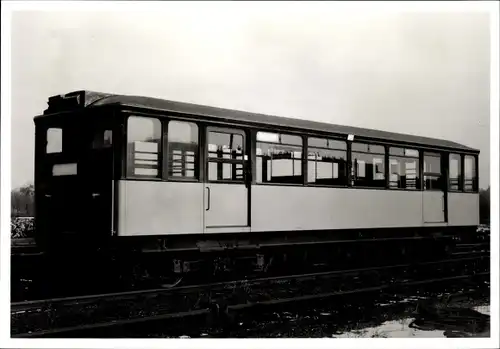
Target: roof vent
67,102
72,101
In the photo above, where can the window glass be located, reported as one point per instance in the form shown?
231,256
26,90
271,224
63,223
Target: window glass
359,147
432,163
144,147
183,149
368,166
470,174
317,142
108,137
455,172
368,148
333,144
376,149
225,156
404,168
326,166
404,152
54,140
403,173
432,172
278,162
102,139
412,153
432,182
268,137
288,139
224,171
225,146
396,151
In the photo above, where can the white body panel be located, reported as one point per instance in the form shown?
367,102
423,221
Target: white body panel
226,205
303,208
463,209
162,208
158,208
433,206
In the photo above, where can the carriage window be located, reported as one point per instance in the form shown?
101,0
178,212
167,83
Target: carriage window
327,162
54,140
455,172
432,172
470,184
143,147
368,165
225,156
102,139
182,150
279,158
403,169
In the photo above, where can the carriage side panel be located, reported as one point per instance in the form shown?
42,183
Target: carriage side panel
463,209
160,208
276,208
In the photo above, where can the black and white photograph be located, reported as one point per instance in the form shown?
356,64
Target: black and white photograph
175,171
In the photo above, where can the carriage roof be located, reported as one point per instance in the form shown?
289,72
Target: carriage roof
90,99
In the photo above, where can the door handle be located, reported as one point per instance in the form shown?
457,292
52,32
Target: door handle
208,196
94,195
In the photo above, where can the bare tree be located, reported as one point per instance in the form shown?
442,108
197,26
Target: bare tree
484,206
22,201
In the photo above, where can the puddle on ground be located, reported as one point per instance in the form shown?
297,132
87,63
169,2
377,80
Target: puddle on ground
389,319
378,316
403,329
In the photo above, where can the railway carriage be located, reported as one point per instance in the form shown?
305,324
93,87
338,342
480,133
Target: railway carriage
117,172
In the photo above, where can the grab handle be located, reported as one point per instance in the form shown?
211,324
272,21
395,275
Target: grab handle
208,207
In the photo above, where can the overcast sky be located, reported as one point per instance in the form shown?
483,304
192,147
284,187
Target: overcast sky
425,74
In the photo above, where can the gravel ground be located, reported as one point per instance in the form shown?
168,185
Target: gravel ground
385,316
374,318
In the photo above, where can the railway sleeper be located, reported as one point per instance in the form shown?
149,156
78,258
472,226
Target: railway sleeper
301,290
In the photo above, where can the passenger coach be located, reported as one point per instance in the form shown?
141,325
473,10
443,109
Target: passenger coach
114,169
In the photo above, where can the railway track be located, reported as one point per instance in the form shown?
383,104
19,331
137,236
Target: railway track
81,316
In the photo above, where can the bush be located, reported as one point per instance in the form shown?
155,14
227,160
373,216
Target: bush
22,227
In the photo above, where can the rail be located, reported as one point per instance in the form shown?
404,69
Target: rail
82,330
36,304
225,297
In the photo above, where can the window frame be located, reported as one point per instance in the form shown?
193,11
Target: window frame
475,179
302,159
441,176
417,158
461,173
207,160
250,142
60,134
307,160
161,150
352,170
164,120
166,149
70,138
